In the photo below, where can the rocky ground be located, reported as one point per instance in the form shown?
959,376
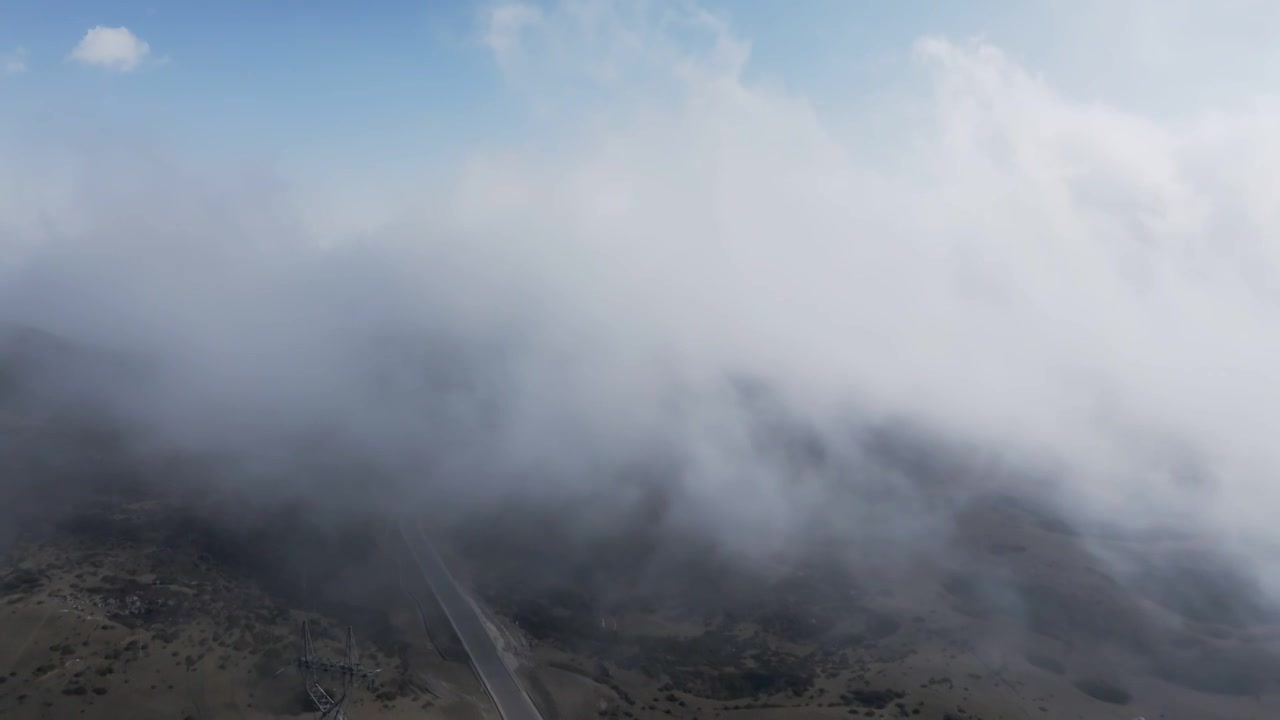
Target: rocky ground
1032,625
141,608
142,584
138,611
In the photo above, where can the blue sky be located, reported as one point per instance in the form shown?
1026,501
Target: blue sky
292,78
324,85
285,77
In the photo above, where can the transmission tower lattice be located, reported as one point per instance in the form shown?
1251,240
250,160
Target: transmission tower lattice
348,669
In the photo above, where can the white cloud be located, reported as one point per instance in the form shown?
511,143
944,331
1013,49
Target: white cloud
1077,281
1073,280
16,61
112,48
506,25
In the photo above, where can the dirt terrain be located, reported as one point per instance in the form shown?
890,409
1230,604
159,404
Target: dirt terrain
1034,627
131,611
141,608
132,584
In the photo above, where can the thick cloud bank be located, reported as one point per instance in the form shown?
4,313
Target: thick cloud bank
1079,289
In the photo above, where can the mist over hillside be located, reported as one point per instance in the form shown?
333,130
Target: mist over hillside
989,342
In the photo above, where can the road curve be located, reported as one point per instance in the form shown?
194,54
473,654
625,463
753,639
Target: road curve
512,701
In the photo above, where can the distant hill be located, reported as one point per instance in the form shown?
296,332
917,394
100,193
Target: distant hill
43,375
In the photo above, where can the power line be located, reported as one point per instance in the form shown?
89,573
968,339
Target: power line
312,667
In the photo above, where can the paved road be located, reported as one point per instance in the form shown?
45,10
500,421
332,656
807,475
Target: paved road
512,701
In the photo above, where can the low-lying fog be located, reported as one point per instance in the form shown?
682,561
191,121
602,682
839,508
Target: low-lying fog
705,308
